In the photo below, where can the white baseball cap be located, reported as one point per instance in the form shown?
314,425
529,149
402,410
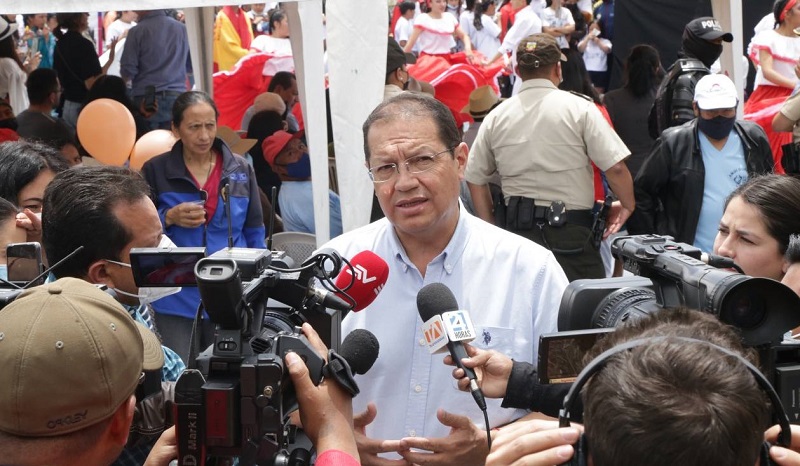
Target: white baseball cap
715,91
6,28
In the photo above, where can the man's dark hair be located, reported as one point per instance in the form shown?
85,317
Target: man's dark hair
284,79
40,84
405,7
415,106
675,402
21,162
78,211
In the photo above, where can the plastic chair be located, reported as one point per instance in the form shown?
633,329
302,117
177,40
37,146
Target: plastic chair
297,245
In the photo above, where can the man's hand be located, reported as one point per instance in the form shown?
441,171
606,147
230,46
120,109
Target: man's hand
491,368
368,448
466,445
326,410
532,443
165,449
147,113
780,455
617,216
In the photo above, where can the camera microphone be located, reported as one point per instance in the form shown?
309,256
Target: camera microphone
446,325
368,273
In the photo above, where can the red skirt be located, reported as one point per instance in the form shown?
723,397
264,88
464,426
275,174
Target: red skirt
762,106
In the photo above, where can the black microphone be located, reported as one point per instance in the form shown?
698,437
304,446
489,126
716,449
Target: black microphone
358,353
446,325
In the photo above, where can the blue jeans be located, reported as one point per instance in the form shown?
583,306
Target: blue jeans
162,119
70,112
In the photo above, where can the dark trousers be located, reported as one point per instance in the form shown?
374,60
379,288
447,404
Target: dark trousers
572,248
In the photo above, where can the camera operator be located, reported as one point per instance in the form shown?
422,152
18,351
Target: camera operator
326,415
71,359
108,211
670,402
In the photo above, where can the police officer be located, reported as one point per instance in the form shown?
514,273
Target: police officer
541,142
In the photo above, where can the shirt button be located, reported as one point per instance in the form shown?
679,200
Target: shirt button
418,388
421,342
412,433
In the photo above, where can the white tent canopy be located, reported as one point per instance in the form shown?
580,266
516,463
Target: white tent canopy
356,48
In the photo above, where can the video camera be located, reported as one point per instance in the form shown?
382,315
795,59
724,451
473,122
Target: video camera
671,274
237,403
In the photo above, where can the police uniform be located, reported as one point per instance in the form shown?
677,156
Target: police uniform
541,142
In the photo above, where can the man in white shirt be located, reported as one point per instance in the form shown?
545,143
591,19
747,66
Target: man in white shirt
511,286
405,23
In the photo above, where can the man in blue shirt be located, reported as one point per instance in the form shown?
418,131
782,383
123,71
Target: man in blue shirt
157,54
681,188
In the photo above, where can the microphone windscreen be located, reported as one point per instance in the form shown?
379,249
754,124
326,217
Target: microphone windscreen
434,299
371,273
360,350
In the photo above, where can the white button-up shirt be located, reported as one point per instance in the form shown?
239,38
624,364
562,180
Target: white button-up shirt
511,287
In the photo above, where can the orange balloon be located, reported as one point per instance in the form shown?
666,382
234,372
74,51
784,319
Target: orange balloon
154,143
107,131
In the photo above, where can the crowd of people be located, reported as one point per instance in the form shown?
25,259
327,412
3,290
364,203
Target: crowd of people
506,211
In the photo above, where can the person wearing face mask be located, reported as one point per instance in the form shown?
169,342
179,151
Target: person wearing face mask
288,157
107,210
682,186
700,48
397,76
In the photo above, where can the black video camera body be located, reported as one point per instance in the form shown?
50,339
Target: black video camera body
671,274
237,403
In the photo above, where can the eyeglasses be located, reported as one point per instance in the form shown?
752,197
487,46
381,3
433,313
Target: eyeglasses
414,165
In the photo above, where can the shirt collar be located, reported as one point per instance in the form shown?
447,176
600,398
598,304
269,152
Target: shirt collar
539,83
450,255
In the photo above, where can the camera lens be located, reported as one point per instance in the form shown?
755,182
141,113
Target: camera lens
743,309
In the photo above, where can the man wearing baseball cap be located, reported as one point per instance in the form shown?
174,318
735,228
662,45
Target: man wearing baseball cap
288,156
693,168
701,46
541,142
71,359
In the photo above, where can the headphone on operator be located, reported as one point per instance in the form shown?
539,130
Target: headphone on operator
581,455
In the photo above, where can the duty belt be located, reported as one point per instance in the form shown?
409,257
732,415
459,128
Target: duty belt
523,214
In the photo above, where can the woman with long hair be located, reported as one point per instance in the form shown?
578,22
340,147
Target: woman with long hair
76,63
775,54
477,22
630,105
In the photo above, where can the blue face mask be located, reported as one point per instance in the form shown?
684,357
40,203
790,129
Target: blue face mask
301,168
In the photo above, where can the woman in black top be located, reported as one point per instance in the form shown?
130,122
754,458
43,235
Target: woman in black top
76,62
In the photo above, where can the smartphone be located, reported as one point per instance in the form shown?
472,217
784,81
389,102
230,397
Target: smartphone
150,98
24,263
595,32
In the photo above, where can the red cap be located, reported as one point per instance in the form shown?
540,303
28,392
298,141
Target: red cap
7,134
371,273
273,145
